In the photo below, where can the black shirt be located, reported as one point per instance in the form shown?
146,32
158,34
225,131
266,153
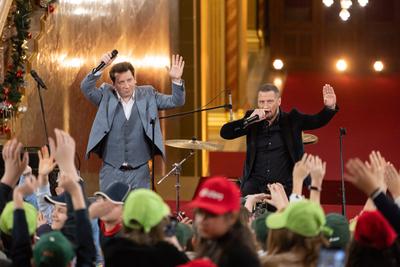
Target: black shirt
272,161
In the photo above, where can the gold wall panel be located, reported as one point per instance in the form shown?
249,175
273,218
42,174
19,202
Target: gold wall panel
74,38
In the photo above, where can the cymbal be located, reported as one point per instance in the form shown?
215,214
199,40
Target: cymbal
193,144
309,138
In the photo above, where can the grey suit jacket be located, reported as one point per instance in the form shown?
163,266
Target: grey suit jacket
148,101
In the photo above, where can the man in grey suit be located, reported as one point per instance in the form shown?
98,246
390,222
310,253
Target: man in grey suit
121,132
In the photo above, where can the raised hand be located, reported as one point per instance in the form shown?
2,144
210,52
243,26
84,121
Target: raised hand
46,165
107,59
63,152
71,185
41,220
100,208
301,169
252,200
361,176
392,179
176,69
278,196
329,96
27,188
317,171
13,164
377,165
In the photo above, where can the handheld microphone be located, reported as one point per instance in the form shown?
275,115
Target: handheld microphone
230,106
250,120
38,79
114,53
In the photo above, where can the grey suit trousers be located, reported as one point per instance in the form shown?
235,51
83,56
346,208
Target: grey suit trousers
137,178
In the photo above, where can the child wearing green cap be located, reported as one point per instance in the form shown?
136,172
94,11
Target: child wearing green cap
296,235
143,243
64,153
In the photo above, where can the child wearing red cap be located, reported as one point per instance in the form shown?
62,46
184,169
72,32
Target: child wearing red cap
223,238
375,242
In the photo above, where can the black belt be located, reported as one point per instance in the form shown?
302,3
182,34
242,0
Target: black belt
127,168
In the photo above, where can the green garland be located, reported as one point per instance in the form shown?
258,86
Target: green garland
10,90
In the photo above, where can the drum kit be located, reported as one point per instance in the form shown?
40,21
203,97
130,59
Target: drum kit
195,144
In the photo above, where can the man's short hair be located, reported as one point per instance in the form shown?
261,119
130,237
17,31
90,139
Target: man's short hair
121,67
268,87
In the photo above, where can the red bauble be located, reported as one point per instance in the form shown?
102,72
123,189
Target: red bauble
19,73
51,8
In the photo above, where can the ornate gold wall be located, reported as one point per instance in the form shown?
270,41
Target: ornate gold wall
74,38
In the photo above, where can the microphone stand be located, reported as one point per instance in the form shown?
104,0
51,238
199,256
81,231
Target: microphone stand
152,122
42,110
342,132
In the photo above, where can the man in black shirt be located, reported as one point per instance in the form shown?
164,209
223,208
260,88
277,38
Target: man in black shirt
274,138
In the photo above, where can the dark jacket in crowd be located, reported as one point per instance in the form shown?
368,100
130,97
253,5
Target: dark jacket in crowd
121,252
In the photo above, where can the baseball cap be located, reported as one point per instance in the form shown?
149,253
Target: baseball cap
183,233
260,227
341,231
145,207
115,192
53,249
217,195
199,263
303,217
372,229
56,200
7,218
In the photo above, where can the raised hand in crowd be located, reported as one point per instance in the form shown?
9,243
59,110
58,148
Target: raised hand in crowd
361,176
46,165
278,196
100,208
252,200
392,179
301,170
27,188
41,220
63,152
317,173
14,164
71,185
377,165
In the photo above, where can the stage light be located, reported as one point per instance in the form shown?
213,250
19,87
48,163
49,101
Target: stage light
278,82
278,64
327,3
363,3
344,14
345,4
341,65
378,66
